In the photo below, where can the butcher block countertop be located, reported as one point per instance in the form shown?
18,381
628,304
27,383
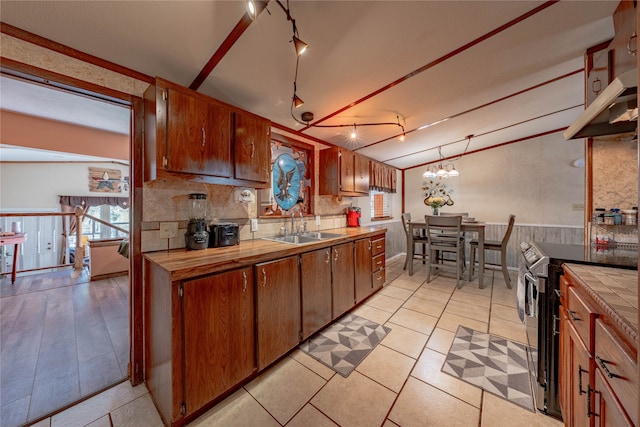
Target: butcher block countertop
182,264
614,289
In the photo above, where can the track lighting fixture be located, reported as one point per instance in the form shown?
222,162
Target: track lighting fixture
300,46
252,10
297,102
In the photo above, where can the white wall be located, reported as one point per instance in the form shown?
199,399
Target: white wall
38,185
533,179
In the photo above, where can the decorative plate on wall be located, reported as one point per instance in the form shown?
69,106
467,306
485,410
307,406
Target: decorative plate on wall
285,181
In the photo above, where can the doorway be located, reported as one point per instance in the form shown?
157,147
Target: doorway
64,337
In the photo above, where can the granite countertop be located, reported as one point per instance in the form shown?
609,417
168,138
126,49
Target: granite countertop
616,287
182,264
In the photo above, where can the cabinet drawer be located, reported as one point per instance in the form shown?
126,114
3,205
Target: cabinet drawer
377,246
617,363
378,262
378,278
582,316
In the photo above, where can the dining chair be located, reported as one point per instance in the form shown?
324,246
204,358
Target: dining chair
443,235
417,240
494,245
463,236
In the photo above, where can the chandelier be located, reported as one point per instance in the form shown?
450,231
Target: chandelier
444,169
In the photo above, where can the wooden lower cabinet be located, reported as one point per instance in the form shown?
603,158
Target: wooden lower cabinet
277,308
363,283
598,360
342,272
218,340
578,365
315,286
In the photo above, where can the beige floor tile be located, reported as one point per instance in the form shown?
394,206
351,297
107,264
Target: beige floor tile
405,341
389,423
511,330
47,423
140,412
310,416
372,313
430,294
429,370
285,388
405,282
414,320
100,422
387,367
450,322
441,284
395,292
420,404
441,340
95,407
479,300
504,296
311,363
354,401
385,303
432,308
504,312
468,310
239,409
499,412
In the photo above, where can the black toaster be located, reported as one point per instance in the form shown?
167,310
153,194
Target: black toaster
224,234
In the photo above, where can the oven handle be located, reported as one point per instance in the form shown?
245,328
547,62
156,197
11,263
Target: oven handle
533,279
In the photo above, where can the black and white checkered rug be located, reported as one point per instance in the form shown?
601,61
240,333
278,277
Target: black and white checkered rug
344,344
495,364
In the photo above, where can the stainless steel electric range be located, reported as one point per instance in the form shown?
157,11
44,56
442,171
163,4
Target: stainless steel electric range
538,302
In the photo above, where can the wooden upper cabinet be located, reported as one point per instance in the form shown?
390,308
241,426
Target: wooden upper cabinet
252,147
623,47
190,136
343,173
361,178
198,135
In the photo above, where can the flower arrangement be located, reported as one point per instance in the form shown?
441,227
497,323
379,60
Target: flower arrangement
435,202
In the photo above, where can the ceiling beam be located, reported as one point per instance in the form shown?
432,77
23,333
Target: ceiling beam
226,45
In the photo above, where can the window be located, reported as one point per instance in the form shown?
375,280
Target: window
380,204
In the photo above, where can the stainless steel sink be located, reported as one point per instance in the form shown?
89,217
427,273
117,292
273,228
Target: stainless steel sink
301,239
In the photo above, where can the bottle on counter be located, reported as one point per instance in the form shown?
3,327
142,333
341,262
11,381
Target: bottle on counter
617,216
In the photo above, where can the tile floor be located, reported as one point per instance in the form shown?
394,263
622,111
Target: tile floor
399,384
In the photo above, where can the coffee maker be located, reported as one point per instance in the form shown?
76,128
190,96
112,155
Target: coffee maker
197,236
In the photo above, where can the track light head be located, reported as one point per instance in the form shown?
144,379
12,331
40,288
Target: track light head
299,45
297,102
252,10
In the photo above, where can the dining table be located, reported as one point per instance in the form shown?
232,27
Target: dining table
467,227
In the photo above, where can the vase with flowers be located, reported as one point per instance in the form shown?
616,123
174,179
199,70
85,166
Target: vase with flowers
436,203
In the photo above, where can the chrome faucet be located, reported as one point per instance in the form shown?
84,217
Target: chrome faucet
303,224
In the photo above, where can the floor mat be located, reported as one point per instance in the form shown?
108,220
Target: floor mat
495,364
344,344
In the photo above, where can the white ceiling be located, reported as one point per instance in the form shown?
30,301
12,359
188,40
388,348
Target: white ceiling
357,50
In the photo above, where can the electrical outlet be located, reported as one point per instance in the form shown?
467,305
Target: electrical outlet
254,224
317,219
168,230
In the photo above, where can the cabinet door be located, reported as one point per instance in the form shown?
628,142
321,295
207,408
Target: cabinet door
624,45
252,148
342,268
564,364
363,269
315,281
579,377
361,178
198,136
607,408
278,308
218,314
347,164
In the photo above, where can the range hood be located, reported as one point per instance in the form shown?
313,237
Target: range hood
614,111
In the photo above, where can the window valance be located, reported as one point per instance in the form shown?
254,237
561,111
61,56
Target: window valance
87,201
382,177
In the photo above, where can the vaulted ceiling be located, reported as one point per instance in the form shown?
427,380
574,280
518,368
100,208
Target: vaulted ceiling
501,71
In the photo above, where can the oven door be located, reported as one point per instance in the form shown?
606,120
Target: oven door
535,309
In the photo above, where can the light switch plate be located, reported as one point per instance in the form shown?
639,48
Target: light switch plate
168,230
577,207
254,224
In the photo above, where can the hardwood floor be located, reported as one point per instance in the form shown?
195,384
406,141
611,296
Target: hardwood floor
62,338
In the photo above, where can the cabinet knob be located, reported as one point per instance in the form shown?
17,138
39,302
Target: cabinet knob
335,255
605,368
253,149
264,278
204,136
244,281
328,258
